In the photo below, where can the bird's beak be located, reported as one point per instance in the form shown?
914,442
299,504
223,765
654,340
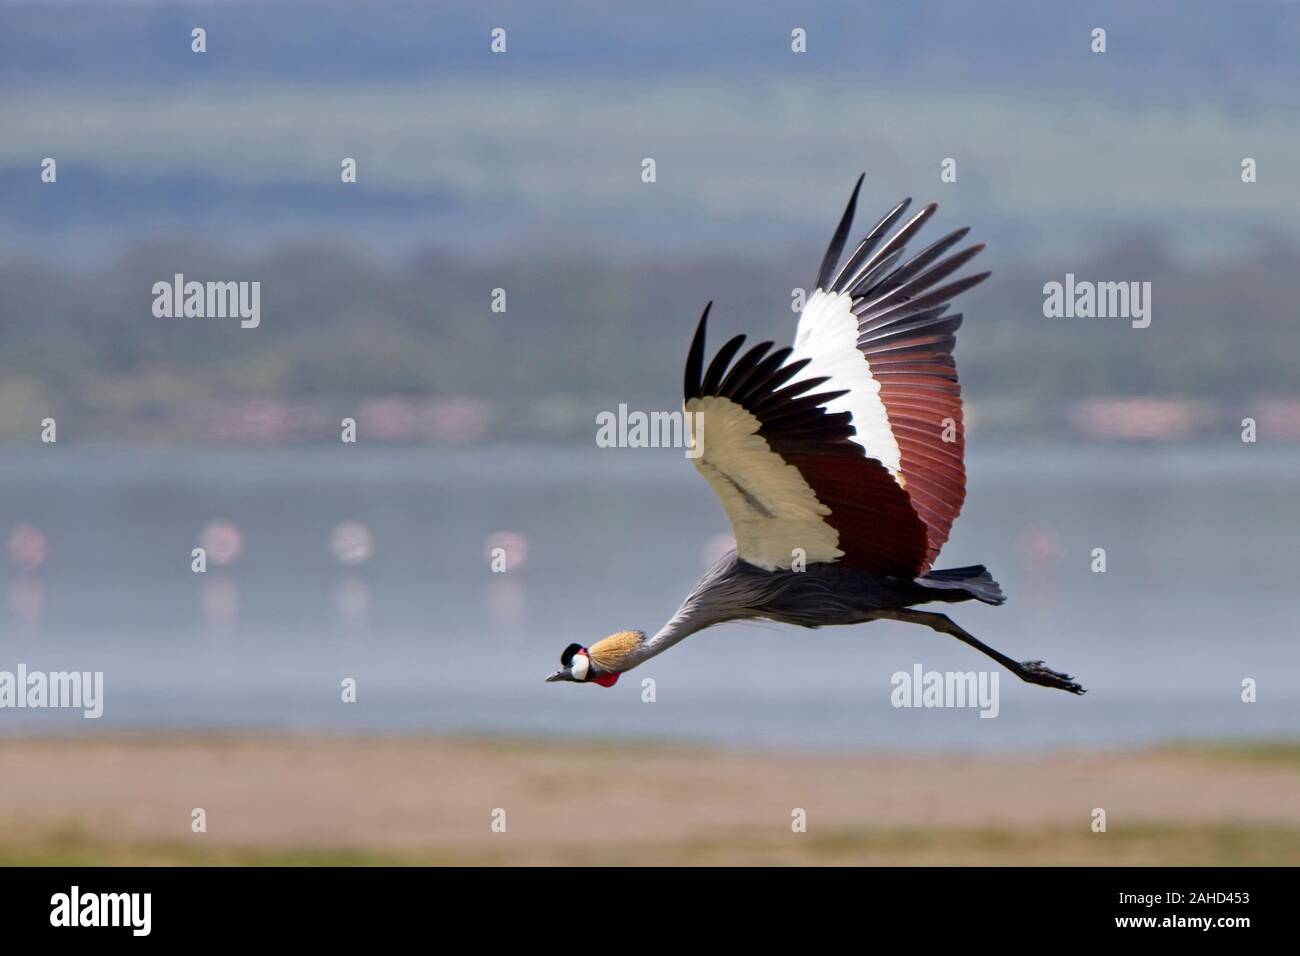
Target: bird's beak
561,674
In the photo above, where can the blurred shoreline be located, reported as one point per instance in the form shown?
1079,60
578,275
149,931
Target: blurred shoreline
373,563
431,800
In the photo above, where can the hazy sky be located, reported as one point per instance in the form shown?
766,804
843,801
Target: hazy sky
1055,145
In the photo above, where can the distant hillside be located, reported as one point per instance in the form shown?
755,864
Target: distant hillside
582,332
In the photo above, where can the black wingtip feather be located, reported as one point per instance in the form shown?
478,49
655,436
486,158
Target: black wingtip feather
743,369
869,242
836,248
761,377
695,358
718,367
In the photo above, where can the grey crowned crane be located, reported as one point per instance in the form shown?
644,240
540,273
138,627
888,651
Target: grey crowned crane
838,460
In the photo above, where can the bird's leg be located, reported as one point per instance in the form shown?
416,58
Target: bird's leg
1035,672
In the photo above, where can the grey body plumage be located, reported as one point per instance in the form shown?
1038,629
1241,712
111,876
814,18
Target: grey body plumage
831,594
827,594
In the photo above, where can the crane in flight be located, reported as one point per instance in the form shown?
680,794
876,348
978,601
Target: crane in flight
838,460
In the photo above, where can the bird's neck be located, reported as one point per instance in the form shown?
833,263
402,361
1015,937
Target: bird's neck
682,625
701,609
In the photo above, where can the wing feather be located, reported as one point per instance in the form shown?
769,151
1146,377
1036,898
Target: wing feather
793,483
880,335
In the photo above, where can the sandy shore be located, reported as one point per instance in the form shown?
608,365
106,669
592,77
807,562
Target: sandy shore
431,800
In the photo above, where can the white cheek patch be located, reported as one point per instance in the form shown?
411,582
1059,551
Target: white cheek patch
579,666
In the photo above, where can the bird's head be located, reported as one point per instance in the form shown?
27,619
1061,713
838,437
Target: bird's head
602,662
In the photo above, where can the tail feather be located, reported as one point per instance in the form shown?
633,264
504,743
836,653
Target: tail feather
963,584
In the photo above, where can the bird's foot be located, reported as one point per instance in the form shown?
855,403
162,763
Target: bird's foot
1036,672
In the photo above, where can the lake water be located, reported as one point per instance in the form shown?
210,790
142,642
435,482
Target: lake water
1199,593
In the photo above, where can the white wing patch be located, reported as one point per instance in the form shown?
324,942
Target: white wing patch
772,509
828,335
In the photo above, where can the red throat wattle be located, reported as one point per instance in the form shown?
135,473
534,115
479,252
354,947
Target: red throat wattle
606,680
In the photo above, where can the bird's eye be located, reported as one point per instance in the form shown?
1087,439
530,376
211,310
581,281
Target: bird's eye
579,666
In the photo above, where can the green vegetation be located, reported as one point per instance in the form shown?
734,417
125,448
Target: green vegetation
582,333
1143,845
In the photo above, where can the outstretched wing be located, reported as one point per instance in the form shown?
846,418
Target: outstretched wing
794,484
848,446
876,331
